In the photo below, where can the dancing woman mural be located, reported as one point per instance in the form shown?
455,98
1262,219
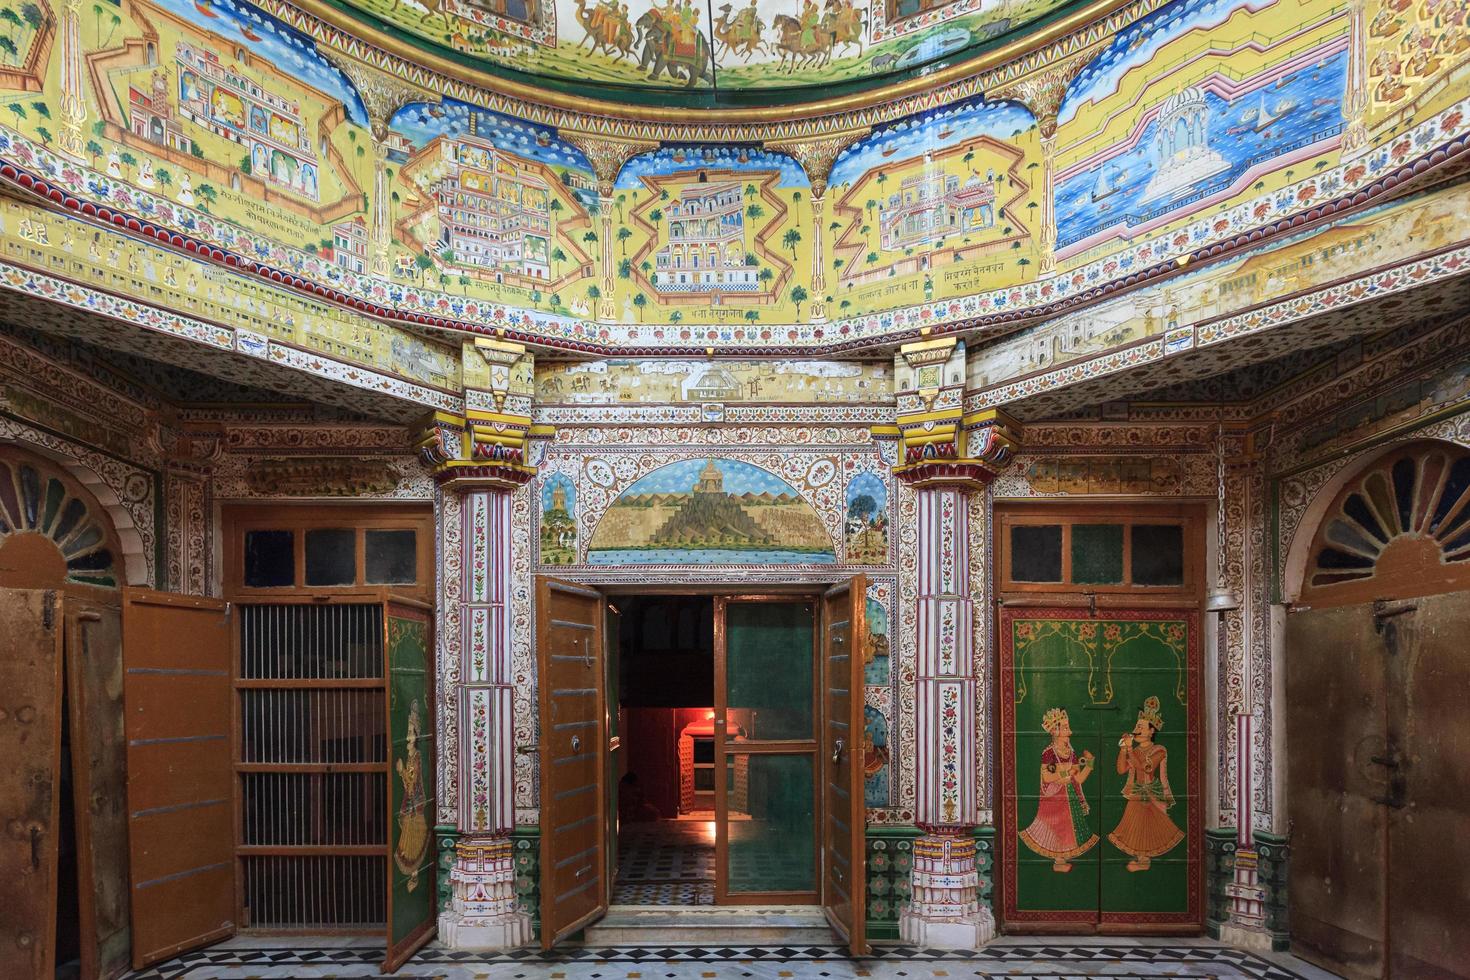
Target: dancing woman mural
1145,831
1060,829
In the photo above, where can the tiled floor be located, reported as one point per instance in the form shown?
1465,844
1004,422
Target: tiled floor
1023,959
670,862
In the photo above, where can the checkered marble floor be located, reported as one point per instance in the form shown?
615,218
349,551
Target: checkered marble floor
670,862
1055,959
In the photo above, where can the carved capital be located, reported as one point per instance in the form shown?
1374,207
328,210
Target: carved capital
817,156
1042,91
382,95
606,154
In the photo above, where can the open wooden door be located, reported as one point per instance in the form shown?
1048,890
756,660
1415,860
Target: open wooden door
177,654
572,680
30,744
412,899
844,872
93,646
1336,738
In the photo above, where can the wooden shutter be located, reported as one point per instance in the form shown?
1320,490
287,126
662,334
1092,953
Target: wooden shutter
844,871
177,655
30,742
412,801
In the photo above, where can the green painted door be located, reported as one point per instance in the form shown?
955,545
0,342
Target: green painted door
1100,815
411,800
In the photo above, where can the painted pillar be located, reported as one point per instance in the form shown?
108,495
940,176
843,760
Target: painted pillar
1046,239
382,202
73,115
1355,102
606,155
949,459
819,258
945,910
483,912
479,461
607,311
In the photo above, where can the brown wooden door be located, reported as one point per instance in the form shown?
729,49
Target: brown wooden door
1428,803
176,690
93,645
844,872
573,696
30,744
1336,737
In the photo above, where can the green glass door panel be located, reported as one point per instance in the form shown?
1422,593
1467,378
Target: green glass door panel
772,824
1056,727
769,648
1150,791
411,805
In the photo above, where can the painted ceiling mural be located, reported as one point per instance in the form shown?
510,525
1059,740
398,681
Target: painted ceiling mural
1203,120
729,44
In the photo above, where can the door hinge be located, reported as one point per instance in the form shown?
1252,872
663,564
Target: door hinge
48,609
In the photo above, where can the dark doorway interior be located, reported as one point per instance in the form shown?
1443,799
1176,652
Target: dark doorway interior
665,702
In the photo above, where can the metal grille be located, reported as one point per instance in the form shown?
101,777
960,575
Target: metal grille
337,893
312,766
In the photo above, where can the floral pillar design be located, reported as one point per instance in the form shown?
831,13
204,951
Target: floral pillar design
947,459
73,88
480,460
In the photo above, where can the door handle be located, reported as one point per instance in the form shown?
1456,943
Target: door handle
837,748
576,743
586,653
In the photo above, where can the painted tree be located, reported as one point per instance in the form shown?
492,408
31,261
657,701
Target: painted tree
557,257
754,211
94,148
625,269
799,295
656,216
676,317
640,301
113,23
796,197
624,233
11,20
752,315
791,239
45,135
165,179
423,263
9,48
622,199
17,110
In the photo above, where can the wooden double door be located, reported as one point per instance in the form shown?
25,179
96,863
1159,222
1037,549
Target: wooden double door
1378,784
788,715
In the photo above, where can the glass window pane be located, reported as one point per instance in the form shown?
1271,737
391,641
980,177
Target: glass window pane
270,559
390,557
1036,553
771,834
1158,554
1097,554
331,556
768,669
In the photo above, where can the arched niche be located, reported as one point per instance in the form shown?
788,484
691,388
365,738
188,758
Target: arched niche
1394,526
56,530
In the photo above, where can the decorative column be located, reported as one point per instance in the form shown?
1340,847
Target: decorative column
1241,600
1355,101
382,96
816,158
949,460
479,462
73,116
607,156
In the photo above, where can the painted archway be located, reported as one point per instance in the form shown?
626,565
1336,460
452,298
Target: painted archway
1395,526
53,531
711,512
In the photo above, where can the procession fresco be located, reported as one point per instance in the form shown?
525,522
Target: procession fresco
653,381
1192,106
739,44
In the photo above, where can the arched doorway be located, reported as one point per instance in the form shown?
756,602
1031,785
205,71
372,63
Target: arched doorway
1377,745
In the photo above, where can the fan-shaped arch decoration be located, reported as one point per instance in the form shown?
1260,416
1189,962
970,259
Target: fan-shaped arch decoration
52,531
1399,528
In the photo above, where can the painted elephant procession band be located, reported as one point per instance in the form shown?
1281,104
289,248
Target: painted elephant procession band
667,39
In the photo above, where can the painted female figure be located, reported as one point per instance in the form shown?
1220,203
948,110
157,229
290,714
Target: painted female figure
1145,831
413,825
1060,829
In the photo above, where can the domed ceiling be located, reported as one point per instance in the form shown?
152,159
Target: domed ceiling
799,49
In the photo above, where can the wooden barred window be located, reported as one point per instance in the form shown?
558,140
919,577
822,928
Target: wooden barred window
1399,528
1109,548
52,531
